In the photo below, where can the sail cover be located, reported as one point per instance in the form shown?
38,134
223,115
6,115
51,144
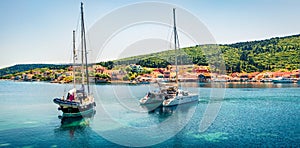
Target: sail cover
72,91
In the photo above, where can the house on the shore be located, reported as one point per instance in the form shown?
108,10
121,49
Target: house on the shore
136,68
200,69
69,73
281,74
158,73
99,69
27,77
117,75
295,73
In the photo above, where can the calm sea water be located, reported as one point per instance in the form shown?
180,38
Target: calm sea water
250,115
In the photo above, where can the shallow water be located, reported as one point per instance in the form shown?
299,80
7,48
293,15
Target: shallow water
250,115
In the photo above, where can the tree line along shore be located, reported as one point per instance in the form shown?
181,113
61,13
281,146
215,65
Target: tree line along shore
135,74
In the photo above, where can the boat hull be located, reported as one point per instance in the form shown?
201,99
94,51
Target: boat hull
74,109
82,120
153,99
79,113
180,100
65,103
283,81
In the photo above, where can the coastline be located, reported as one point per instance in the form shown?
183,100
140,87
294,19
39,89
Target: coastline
186,84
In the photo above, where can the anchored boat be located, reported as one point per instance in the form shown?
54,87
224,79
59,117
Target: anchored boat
283,80
169,94
181,96
78,102
154,97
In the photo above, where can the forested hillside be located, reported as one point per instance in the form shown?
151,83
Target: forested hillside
270,54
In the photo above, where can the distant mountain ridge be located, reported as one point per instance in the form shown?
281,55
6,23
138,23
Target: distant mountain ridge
271,40
24,67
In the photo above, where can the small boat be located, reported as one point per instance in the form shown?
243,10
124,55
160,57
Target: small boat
266,80
78,102
102,81
283,80
219,80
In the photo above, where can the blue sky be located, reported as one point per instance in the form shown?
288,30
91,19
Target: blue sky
39,31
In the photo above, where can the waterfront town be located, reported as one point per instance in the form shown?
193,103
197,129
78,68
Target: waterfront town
136,74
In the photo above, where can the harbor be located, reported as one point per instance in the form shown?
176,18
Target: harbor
149,74
271,119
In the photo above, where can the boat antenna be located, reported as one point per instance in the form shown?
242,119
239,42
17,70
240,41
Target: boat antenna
175,41
83,42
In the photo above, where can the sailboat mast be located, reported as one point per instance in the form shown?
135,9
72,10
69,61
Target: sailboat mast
175,41
82,47
83,42
74,57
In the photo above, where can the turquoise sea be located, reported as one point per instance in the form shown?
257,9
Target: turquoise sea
249,114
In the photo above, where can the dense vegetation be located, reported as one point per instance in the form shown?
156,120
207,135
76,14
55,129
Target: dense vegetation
153,62
109,64
270,54
102,76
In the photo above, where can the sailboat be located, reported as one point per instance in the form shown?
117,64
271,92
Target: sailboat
181,96
78,102
169,93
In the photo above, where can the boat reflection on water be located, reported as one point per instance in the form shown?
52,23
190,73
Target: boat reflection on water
164,111
74,125
77,121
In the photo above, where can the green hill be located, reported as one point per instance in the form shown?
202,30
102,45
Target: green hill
270,54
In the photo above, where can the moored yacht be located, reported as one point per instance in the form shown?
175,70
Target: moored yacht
283,80
165,89
266,80
152,97
181,97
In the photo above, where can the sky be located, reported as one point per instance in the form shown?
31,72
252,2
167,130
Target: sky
40,31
